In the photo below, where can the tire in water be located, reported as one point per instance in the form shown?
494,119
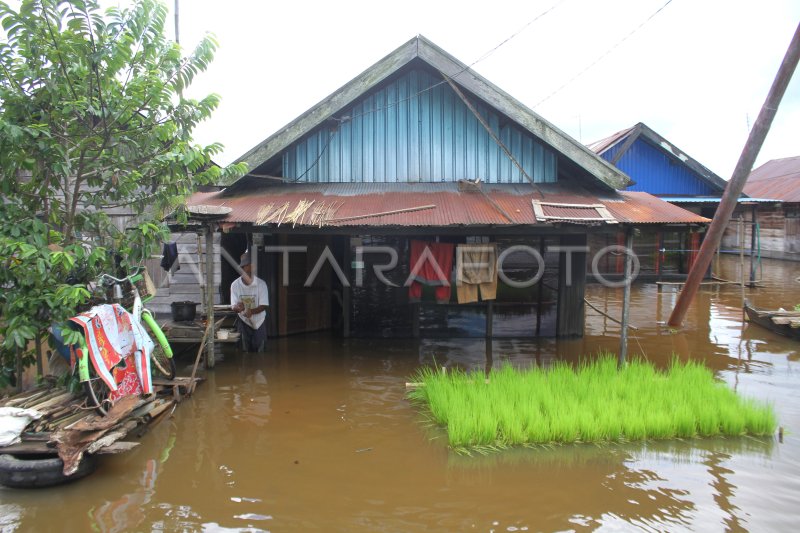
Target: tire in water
32,471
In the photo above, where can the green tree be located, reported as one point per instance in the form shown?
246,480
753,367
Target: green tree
93,118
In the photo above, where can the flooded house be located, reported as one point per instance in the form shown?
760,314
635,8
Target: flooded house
657,166
421,200
776,231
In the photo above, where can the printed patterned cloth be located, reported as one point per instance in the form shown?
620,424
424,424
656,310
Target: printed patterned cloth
112,335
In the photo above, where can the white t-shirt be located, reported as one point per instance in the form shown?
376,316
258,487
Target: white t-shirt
253,295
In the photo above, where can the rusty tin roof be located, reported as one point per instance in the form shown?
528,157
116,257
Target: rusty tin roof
430,204
778,179
602,145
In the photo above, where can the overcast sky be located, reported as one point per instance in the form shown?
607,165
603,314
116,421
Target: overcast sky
697,72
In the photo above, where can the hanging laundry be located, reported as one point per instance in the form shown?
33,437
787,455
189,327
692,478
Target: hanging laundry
169,258
476,269
431,264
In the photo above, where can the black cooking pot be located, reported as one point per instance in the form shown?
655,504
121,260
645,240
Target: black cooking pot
184,311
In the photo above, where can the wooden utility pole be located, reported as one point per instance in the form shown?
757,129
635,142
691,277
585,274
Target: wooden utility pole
734,188
177,24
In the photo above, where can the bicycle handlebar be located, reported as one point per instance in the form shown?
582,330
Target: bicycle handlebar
104,275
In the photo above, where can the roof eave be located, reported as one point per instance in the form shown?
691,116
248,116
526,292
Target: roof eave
669,148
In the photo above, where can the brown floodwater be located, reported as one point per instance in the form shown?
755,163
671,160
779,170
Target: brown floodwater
317,434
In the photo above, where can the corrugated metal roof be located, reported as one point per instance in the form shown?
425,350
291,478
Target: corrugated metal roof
430,138
644,208
570,212
673,173
359,204
710,200
779,178
602,145
420,50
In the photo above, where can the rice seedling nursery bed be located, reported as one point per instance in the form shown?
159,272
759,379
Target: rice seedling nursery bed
595,402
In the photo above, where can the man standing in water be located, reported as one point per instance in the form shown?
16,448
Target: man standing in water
250,298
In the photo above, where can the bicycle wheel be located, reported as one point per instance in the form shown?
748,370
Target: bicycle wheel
162,363
97,393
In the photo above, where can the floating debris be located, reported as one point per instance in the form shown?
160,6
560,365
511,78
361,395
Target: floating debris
69,428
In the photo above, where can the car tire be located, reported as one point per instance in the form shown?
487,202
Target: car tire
35,471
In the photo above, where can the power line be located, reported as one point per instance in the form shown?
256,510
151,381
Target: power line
525,27
319,156
481,58
347,118
603,56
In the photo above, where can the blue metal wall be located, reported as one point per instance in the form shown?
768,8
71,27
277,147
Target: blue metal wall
657,172
402,134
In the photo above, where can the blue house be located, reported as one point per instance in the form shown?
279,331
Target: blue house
657,166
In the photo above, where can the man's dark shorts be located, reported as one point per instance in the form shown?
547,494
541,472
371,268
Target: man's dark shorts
253,340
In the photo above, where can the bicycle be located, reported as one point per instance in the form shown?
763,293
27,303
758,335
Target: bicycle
162,355
113,337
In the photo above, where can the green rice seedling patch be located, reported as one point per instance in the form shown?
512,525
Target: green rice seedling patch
593,402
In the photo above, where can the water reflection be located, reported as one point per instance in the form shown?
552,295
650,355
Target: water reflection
10,516
654,485
127,511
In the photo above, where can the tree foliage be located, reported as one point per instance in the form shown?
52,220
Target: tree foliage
93,120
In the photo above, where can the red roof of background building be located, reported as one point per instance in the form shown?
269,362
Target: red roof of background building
778,179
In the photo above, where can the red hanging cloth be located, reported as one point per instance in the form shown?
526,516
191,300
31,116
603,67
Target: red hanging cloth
431,264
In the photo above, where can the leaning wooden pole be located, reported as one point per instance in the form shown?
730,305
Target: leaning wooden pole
734,188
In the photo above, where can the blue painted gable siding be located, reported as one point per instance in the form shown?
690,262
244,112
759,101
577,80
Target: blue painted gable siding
409,132
658,173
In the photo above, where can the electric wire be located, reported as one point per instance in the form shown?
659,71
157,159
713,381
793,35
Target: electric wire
602,56
319,156
346,118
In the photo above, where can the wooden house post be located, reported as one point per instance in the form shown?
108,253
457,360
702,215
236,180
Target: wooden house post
571,287
626,298
347,290
741,250
283,288
753,218
209,230
540,292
